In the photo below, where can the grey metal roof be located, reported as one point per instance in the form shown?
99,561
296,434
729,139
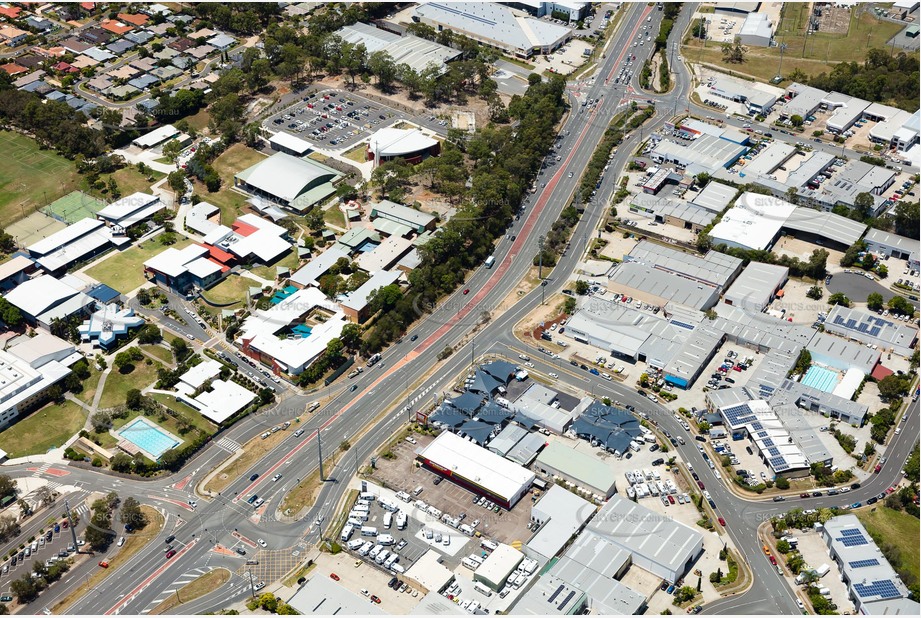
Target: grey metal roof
715,196
810,168
415,52
825,224
694,353
806,101
284,176
756,285
841,353
562,514
707,150
714,268
664,285
886,332
494,22
892,241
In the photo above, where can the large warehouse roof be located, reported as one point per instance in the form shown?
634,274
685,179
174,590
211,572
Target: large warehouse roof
715,196
753,222
413,51
714,268
581,468
755,287
285,177
494,22
647,534
825,224
478,465
892,241
664,285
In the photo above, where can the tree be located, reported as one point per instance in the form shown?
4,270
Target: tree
783,547
176,182
334,349
863,206
907,219
582,287
900,305
121,462
733,53
134,400
180,349
684,594
874,301
172,149
99,533
132,515
7,486
838,298
893,386
25,588
351,336
150,334
815,292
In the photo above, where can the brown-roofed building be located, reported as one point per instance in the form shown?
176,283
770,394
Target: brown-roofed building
95,36
124,72
83,62
116,27
135,19
51,52
30,61
75,45
64,67
181,44
12,36
13,69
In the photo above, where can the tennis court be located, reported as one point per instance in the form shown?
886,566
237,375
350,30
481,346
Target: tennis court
34,228
74,207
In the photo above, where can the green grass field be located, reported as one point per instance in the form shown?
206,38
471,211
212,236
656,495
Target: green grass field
130,180
359,153
193,415
231,290
89,386
159,352
30,178
124,271
812,54
268,272
890,527
118,384
43,429
334,216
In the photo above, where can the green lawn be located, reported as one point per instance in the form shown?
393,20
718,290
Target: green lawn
30,178
190,413
130,180
89,385
359,153
268,272
898,529
233,160
199,121
334,216
160,352
43,429
118,384
231,290
124,270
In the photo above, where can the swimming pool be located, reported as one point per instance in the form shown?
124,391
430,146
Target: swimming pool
821,378
148,437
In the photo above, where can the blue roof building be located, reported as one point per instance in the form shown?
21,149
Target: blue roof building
107,324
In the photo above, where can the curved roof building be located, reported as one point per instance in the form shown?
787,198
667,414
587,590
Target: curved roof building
287,180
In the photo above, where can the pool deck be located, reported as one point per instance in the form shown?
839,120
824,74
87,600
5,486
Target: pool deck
151,426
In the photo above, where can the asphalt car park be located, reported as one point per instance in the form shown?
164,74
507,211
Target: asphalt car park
49,546
333,120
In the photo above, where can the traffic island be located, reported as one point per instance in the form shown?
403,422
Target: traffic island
199,587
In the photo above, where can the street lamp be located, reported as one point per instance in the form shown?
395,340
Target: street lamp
779,76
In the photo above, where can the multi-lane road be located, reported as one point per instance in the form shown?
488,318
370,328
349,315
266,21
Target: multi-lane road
406,377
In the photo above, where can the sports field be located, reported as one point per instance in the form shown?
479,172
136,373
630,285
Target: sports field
74,207
30,177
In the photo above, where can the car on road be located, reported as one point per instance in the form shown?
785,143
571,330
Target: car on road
276,478
104,564
466,291
170,554
773,560
722,521
121,541
334,577
353,388
262,543
253,477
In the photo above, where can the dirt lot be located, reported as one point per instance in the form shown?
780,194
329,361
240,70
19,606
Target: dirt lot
815,553
402,474
355,578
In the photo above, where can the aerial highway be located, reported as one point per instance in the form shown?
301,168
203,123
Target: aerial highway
405,378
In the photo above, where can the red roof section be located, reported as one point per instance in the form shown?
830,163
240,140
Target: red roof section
89,6
244,229
224,268
10,11
218,255
13,69
133,18
63,66
879,372
115,27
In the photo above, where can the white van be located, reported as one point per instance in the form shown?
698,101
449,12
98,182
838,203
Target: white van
482,589
470,564
375,552
358,515
382,557
365,548
401,521
490,545
367,496
368,531
391,559
404,496
355,544
346,533
388,519
385,540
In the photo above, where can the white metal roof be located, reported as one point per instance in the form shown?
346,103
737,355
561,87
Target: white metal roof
391,142
135,207
474,463
157,136
283,176
499,564
173,262
224,400
291,142
756,285
68,235
753,222
358,299
311,272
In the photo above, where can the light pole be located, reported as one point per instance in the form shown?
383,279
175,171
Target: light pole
783,48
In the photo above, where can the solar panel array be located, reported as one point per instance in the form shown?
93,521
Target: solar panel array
779,464
852,538
738,415
682,324
884,589
859,564
872,326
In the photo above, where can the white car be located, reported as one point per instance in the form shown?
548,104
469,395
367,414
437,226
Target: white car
262,543
364,591
553,375
276,478
531,365
121,541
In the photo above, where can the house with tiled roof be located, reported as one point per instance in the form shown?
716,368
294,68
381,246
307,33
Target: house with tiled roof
13,69
10,12
12,36
115,27
135,19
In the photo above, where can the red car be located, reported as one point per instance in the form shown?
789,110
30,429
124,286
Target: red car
375,598
722,521
671,500
737,368
700,484
334,577
773,560
878,468
467,291
890,490
170,554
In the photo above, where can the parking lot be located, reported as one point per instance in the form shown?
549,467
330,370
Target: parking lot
331,119
402,474
55,544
